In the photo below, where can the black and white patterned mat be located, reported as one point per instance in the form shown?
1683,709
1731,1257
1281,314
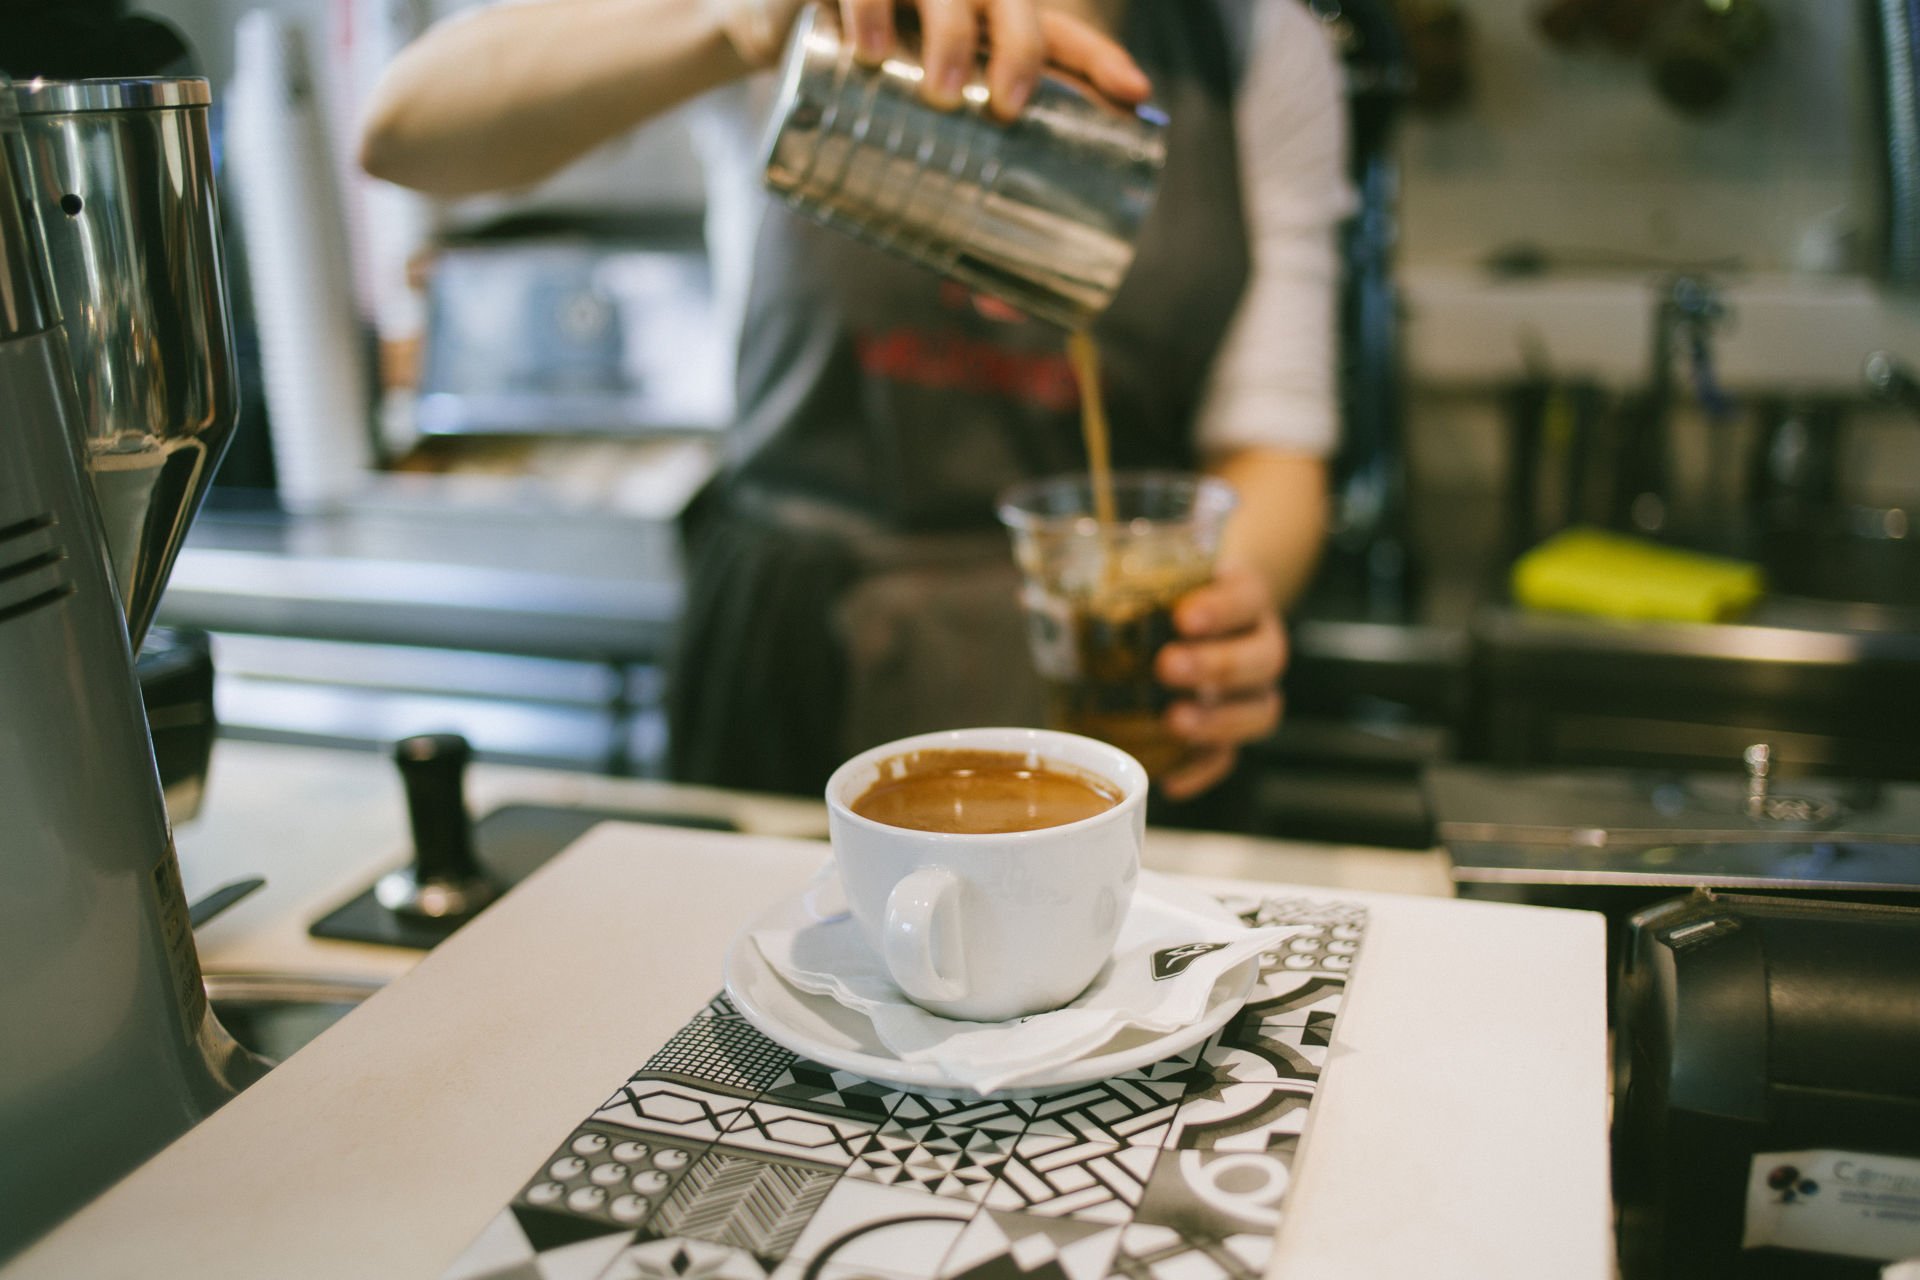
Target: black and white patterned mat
726,1157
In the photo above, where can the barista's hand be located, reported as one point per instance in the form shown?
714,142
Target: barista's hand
1228,661
1023,37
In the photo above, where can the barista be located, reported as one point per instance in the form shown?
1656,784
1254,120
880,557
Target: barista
847,580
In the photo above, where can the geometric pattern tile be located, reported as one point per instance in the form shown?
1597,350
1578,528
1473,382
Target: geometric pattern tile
940,1159
1259,1053
817,1088
798,1132
889,1230
1281,996
1127,1110
1150,1253
722,1051
1056,1177
1242,1117
1020,1246
680,1258
610,1175
753,1202
501,1249
992,1115
726,1157
664,1105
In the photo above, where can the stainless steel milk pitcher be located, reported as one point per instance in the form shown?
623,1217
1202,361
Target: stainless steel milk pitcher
1041,212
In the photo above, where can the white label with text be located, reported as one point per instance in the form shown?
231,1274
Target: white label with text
1844,1202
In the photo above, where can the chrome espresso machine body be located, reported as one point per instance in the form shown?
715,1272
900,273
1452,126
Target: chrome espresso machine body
107,1047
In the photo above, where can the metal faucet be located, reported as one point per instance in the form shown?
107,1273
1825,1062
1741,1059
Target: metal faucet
1893,381
1688,310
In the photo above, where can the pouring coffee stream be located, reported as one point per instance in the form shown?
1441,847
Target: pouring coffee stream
1085,356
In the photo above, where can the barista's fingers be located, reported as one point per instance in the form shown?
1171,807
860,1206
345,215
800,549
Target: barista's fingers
870,22
949,35
1013,29
1228,664
1236,599
1226,723
1094,56
1201,771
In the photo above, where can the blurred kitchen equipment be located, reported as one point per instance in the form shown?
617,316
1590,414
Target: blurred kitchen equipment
119,180
210,907
1814,541
1766,1105
1892,380
1369,567
108,1050
1794,473
1553,438
175,668
1644,497
1893,41
312,353
443,883
459,866
575,328
1701,48
1666,830
78,39
1558,691
1623,24
277,1014
1041,213
1439,44
1619,840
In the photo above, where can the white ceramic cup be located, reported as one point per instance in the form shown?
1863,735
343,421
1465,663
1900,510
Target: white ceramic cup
985,928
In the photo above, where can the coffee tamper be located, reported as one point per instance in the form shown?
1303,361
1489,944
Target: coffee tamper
444,882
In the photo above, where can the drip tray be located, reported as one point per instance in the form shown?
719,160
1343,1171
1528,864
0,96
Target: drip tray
512,843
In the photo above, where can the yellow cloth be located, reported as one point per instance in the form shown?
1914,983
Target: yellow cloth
1612,576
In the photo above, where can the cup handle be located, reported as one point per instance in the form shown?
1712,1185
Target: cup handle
908,944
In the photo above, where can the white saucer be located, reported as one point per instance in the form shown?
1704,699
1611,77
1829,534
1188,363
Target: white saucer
826,1031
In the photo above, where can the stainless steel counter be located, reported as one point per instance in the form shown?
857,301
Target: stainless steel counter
596,588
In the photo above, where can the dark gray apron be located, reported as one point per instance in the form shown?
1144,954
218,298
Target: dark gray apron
847,579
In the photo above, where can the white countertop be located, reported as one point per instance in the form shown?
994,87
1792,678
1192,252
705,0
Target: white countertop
1456,1136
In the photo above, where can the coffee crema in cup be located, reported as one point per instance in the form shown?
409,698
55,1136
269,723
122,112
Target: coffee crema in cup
965,792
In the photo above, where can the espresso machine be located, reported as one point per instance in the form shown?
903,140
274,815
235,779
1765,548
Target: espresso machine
111,425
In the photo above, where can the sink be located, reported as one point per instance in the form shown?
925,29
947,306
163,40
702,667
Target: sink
275,1014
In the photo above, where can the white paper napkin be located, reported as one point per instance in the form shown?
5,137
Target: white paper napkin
1171,952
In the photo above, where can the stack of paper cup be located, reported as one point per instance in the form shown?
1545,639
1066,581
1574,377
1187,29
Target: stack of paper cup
388,226
313,362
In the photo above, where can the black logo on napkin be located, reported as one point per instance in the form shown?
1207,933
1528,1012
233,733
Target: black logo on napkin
1174,960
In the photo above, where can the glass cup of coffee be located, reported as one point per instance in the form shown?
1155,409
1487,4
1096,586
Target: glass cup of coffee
1099,595
989,869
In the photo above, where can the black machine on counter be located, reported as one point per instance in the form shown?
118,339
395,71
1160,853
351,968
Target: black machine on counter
1767,1042
1767,1088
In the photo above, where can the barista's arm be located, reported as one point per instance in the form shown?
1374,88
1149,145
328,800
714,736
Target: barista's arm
1277,528
503,96
1270,414
1227,663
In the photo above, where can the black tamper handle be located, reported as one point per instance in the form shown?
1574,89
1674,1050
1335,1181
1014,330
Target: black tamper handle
433,768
